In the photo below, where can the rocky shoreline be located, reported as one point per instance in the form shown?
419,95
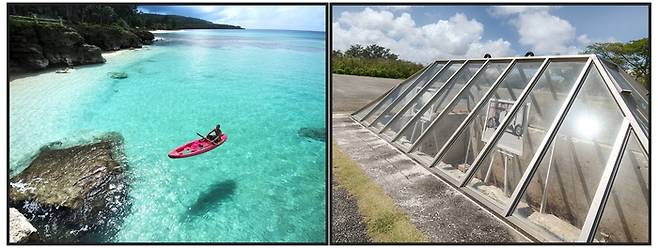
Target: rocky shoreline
74,194
38,46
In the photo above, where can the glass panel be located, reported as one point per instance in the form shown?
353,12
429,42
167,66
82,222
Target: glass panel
501,169
436,104
434,85
558,197
466,100
509,89
400,92
636,100
626,214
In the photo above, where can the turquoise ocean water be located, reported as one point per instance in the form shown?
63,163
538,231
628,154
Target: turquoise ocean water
266,183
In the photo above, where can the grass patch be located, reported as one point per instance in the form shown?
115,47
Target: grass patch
386,223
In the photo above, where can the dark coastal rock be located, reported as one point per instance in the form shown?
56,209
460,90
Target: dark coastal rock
72,194
109,38
318,134
146,36
37,46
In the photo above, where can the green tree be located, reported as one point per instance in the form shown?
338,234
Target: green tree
355,51
632,56
378,52
371,52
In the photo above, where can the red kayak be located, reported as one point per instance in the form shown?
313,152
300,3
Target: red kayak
196,147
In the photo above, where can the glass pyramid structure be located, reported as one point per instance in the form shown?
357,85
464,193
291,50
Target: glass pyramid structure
557,146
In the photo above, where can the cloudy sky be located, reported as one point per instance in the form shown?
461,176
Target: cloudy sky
286,17
424,33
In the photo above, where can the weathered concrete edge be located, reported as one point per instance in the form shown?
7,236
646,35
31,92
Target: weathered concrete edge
466,196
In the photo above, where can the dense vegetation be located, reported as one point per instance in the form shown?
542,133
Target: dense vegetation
373,60
124,15
633,56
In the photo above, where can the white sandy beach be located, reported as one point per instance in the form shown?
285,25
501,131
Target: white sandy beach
110,54
166,31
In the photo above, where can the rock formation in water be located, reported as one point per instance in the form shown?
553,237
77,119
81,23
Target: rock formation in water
72,193
318,134
37,46
20,229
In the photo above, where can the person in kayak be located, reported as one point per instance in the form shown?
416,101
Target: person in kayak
215,138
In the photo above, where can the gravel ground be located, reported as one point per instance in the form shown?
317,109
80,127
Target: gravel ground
347,225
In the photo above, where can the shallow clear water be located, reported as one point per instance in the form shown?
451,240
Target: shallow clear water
266,183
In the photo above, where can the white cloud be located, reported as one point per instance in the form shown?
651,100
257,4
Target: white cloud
456,37
545,33
583,40
542,32
272,17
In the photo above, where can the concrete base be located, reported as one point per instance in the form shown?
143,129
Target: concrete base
440,211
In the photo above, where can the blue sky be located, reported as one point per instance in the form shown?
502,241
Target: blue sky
288,17
424,33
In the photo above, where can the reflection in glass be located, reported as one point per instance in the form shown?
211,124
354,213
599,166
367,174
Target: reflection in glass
625,216
501,169
468,144
400,92
433,86
558,197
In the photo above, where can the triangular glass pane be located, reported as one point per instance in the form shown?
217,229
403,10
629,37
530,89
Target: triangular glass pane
636,99
401,91
509,89
359,115
501,169
558,197
433,85
465,101
625,216
395,92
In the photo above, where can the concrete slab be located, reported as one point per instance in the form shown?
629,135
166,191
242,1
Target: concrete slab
349,93
437,209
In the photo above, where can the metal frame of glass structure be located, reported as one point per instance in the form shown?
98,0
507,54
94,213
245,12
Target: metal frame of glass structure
630,97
